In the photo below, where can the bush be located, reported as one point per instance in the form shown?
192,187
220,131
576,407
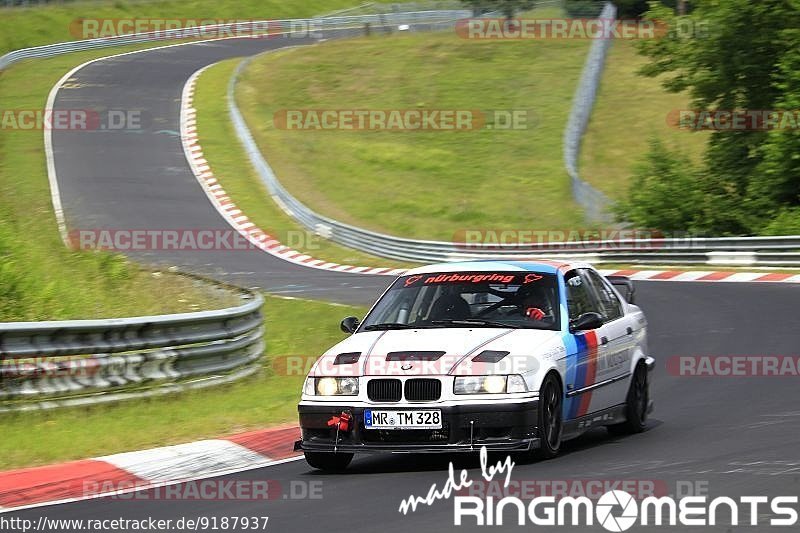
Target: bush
665,192
787,222
627,9
583,8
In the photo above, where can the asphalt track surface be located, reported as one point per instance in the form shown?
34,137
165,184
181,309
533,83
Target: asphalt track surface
139,179
735,436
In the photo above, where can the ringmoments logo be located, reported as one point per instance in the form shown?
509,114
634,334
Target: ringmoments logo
605,510
614,510
618,510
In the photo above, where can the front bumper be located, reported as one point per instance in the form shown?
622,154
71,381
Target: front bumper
465,428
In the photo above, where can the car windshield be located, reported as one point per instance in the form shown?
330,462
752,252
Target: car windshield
469,300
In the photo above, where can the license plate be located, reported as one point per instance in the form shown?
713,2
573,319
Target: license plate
430,419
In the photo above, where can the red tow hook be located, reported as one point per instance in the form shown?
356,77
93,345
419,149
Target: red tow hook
342,423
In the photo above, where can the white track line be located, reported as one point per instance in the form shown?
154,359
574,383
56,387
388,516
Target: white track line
52,177
182,461
228,210
205,178
153,485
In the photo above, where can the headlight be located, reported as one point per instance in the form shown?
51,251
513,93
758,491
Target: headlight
331,386
494,384
516,383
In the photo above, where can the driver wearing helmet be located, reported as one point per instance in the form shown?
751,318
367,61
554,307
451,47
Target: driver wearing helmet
534,302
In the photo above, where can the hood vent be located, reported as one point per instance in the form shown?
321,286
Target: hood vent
489,356
347,358
414,356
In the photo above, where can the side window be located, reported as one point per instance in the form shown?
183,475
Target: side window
611,308
580,297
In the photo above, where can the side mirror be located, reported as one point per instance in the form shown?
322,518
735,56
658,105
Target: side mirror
625,287
586,321
349,324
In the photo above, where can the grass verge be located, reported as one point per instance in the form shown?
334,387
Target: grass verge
39,278
268,398
22,27
422,184
235,173
630,110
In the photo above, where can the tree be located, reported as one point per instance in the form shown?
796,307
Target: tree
737,55
778,189
665,192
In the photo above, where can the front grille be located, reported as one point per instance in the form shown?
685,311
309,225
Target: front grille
384,390
423,390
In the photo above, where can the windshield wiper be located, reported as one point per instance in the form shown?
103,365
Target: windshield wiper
388,325
476,322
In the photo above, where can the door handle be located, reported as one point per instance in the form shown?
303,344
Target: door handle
630,330
603,340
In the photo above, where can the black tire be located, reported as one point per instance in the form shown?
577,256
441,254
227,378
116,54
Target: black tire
328,461
551,418
636,404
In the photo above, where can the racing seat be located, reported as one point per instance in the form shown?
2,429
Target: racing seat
449,307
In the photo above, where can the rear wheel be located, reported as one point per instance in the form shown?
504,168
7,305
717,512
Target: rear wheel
328,461
636,404
550,418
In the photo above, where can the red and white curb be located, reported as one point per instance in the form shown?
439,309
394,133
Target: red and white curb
228,209
261,239
677,275
135,471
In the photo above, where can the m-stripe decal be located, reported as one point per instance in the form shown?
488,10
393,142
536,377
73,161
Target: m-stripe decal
586,371
591,372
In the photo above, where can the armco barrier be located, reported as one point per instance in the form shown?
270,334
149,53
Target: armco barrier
93,361
50,364
250,28
736,251
593,202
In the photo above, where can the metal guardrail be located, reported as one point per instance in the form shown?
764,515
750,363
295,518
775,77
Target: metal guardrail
246,29
51,364
369,8
79,362
739,251
593,202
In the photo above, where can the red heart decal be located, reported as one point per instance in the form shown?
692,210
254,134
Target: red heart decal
412,280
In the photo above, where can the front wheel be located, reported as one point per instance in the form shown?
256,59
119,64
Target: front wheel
636,404
328,461
550,418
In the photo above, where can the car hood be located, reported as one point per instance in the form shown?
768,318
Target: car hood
441,351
